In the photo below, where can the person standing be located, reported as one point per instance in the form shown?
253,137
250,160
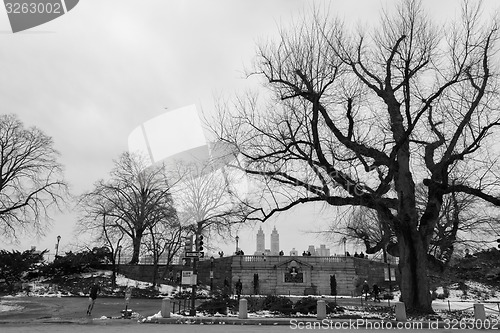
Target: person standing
375,293
239,287
94,290
366,290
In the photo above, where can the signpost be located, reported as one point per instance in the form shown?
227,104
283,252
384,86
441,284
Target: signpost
186,277
194,254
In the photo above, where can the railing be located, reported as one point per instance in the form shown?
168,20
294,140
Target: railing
260,258
253,258
144,261
182,305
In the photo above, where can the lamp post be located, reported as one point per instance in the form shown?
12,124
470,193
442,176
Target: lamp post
389,274
211,275
199,228
344,240
57,245
237,239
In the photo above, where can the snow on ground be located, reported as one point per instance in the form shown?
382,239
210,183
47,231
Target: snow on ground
469,291
123,281
9,306
456,300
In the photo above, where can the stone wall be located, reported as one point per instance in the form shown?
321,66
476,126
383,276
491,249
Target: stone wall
373,273
275,274
314,274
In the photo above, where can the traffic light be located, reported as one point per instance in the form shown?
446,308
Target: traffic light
498,241
200,243
188,244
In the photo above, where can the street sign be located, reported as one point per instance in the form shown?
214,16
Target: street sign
191,254
186,277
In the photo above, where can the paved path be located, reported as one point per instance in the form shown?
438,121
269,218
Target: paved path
158,328
66,308
67,314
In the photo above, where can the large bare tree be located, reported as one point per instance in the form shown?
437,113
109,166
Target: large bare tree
31,178
464,222
133,200
357,118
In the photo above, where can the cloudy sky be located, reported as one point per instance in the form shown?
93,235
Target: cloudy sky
88,78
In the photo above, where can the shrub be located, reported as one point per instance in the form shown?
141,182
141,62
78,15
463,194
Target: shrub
218,304
254,303
308,305
278,304
333,285
79,262
387,296
16,266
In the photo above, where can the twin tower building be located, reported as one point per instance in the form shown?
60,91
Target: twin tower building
261,243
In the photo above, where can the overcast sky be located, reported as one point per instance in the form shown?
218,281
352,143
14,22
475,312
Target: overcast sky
88,78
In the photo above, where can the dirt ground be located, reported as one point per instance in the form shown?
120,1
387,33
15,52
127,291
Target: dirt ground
72,308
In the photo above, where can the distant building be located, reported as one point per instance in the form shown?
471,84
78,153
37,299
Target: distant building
261,242
275,242
311,250
322,251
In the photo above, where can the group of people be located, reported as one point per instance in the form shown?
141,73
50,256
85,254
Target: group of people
361,255
375,292
356,255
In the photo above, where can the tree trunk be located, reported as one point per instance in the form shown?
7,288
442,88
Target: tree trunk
413,269
113,274
136,242
155,272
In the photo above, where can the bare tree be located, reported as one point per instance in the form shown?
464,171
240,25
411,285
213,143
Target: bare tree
357,119
31,178
100,228
133,200
164,239
206,195
463,220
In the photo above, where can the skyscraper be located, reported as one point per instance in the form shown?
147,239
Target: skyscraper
261,242
275,242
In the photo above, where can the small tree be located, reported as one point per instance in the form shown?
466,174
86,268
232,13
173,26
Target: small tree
333,285
164,239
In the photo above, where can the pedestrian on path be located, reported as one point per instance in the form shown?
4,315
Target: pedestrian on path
94,290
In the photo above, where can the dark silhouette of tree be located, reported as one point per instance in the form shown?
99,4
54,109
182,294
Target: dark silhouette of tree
164,239
15,265
134,200
463,220
31,178
357,118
